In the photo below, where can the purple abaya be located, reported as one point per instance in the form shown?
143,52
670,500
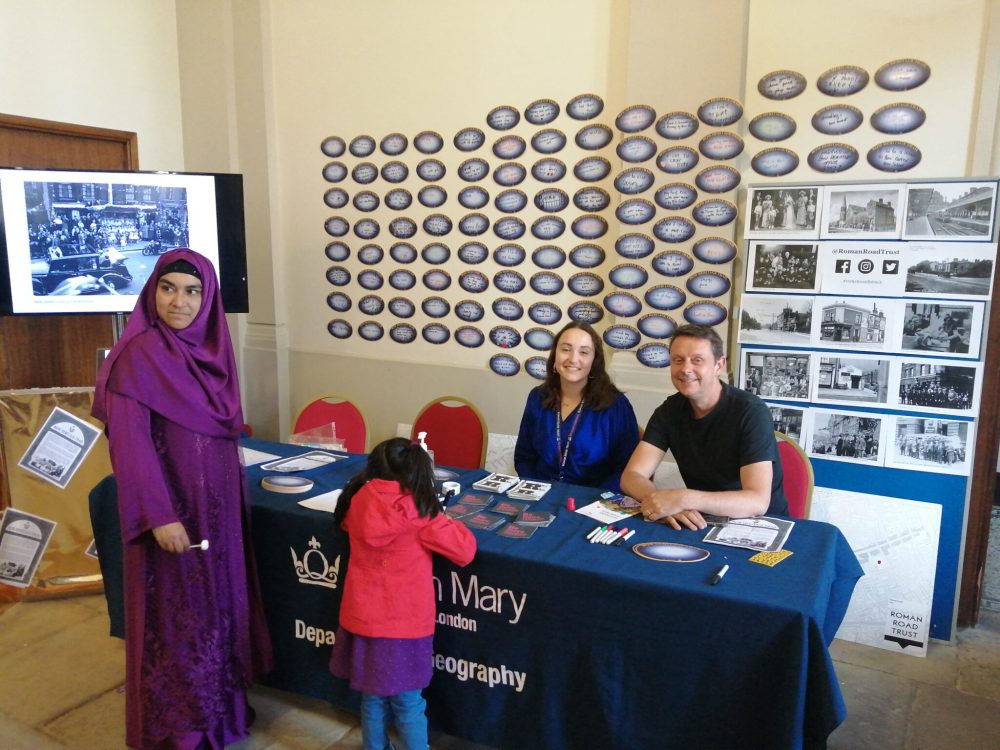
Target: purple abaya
194,630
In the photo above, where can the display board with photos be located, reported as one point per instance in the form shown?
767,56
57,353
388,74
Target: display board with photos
861,325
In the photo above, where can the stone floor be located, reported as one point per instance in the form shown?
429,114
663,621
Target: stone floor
62,688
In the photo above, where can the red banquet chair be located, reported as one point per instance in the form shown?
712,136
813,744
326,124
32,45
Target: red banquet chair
351,426
456,432
798,476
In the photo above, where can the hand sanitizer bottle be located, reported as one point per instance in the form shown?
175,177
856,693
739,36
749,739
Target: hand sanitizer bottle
422,438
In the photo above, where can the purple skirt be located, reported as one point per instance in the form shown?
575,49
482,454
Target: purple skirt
382,666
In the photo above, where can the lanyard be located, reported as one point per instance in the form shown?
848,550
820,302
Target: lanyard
564,454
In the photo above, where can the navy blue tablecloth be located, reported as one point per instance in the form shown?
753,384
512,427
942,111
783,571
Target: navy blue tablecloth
552,642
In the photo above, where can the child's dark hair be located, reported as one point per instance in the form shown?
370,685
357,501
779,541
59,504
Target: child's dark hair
398,460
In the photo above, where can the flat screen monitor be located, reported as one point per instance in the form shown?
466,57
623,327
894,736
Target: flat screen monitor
86,242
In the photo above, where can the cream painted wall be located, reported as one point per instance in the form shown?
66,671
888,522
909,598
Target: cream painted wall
104,63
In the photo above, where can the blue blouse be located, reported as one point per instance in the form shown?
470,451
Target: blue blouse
602,443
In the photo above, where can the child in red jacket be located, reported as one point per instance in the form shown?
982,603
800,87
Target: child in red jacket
384,641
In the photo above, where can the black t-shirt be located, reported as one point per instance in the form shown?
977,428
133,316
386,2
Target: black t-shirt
711,451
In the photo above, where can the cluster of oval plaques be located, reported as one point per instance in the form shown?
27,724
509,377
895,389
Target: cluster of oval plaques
840,118
633,148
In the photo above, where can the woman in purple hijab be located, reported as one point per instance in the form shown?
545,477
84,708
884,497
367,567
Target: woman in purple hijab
195,633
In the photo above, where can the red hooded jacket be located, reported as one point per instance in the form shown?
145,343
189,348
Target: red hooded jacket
389,592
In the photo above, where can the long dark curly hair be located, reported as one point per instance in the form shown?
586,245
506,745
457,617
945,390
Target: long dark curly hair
599,393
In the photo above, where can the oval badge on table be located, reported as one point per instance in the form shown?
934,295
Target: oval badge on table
896,119
504,364
774,162
653,355
621,336
902,75
837,119
894,156
842,80
781,85
664,297
586,312
622,304
672,263
772,126
832,158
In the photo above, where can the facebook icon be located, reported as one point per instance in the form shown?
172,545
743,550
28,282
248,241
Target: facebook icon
843,266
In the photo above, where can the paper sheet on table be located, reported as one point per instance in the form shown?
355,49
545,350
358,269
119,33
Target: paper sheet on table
325,502
611,507
251,457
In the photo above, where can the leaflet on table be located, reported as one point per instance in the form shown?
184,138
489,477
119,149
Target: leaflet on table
302,462
326,502
611,507
761,533
496,482
529,489
252,457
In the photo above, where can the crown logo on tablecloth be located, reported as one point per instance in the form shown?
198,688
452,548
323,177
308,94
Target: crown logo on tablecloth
314,568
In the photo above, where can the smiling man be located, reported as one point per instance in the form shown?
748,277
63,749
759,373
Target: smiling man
722,439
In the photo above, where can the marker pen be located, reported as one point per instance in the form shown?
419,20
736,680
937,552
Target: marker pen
595,532
599,539
625,538
719,573
617,535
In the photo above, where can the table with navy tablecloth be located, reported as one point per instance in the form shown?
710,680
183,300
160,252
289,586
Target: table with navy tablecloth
553,642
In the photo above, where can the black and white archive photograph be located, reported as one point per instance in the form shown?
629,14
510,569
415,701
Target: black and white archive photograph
847,436
790,421
778,319
854,380
773,374
931,444
950,210
863,212
950,269
949,328
856,322
774,267
791,211
936,385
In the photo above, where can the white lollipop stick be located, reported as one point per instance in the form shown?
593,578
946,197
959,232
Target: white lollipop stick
202,545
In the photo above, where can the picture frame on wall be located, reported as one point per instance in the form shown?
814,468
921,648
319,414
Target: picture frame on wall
776,374
937,386
855,437
948,211
773,267
873,211
776,319
949,269
935,444
788,211
945,328
858,379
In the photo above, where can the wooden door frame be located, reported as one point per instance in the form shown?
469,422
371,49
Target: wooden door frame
128,140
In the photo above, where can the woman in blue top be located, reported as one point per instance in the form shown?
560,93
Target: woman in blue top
577,426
